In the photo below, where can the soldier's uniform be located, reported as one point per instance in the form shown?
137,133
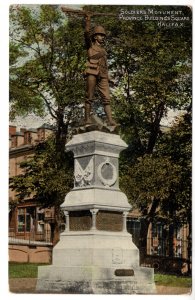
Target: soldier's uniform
97,75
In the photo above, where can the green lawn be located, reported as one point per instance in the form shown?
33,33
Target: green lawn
29,270
23,270
173,280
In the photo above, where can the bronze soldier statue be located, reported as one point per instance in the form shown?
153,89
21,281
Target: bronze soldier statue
97,68
97,71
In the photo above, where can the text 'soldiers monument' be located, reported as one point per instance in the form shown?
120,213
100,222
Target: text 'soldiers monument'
95,253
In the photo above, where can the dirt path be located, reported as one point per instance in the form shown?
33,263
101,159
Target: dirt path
28,285
172,290
22,285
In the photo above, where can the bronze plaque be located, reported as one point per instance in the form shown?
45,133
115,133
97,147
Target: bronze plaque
80,220
109,220
124,272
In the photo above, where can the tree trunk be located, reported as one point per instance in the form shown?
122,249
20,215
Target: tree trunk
145,222
61,136
56,225
171,240
143,239
155,129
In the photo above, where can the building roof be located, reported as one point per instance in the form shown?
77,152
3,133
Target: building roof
134,213
46,126
32,130
18,133
21,149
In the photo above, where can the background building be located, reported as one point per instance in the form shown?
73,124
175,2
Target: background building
168,246
31,228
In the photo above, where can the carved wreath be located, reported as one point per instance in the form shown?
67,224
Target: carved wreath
105,181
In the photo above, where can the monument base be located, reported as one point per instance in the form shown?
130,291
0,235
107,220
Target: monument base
95,262
95,254
123,286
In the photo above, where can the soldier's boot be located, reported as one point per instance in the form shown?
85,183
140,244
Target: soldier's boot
87,113
108,112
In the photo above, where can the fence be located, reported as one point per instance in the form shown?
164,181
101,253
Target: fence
31,237
167,248
169,255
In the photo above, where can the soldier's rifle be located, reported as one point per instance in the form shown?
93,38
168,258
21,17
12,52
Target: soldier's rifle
84,13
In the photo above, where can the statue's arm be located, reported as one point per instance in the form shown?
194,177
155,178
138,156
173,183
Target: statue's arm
87,31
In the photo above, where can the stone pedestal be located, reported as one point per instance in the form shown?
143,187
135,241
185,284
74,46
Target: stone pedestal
95,253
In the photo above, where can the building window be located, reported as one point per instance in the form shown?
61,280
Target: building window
27,138
133,226
159,245
178,241
14,142
25,218
169,240
41,134
40,220
21,219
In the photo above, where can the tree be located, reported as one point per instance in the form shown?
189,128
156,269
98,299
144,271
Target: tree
151,69
160,184
41,177
150,185
47,59
177,144
154,73
46,64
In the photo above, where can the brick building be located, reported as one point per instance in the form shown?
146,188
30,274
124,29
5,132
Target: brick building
31,234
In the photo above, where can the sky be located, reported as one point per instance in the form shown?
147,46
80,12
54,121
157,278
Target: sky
4,118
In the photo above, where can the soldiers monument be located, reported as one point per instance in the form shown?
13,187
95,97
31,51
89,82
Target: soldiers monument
95,254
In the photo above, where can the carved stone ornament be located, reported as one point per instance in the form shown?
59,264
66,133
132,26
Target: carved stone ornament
107,182
117,256
83,177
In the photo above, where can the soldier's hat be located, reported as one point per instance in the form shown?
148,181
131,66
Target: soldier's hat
98,30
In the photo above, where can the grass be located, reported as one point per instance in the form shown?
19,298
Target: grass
173,280
30,270
23,270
